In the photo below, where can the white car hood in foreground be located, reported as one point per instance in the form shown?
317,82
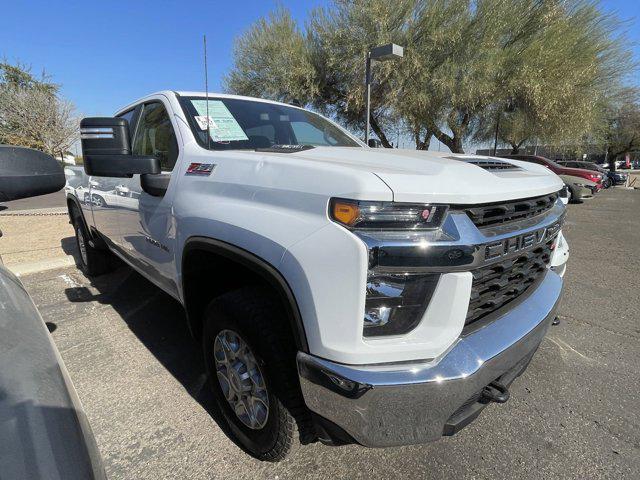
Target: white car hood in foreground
416,176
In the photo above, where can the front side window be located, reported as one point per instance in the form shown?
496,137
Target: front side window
128,116
155,135
236,124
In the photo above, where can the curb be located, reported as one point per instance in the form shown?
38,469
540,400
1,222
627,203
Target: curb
22,269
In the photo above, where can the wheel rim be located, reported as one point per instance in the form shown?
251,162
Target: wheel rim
82,246
97,201
241,379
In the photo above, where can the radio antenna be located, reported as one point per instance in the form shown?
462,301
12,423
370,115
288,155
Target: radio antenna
206,90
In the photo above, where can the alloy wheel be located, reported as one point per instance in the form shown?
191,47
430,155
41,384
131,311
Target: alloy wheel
241,380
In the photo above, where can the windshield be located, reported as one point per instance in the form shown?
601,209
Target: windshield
236,124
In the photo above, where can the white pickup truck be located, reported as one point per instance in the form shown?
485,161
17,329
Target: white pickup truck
340,293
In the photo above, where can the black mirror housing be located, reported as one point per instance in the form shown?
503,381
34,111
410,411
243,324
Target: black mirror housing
106,148
121,166
374,143
105,136
25,172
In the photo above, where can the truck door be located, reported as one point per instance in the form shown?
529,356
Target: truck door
101,195
146,221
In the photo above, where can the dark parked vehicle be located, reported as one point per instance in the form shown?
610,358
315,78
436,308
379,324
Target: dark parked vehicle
44,433
610,178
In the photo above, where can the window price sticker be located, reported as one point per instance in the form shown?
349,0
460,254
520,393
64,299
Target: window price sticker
223,127
203,121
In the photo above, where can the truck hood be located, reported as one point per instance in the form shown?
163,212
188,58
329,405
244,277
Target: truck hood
423,176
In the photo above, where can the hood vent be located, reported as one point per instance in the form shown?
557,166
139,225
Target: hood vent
487,164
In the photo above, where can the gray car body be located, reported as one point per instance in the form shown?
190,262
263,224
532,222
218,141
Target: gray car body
581,188
44,432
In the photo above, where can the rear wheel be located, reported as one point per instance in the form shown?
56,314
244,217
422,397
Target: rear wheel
250,358
90,260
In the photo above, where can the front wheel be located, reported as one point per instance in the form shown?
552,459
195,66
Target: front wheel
251,366
573,197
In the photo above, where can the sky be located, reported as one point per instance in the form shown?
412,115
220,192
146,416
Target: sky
107,54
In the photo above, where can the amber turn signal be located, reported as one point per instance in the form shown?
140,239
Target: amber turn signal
346,213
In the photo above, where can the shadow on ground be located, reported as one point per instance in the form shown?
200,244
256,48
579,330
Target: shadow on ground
160,323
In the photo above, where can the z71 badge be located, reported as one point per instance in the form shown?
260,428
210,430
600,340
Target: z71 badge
203,169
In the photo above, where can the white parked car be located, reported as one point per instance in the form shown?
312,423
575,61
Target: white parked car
348,293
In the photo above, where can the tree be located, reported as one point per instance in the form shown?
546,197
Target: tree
322,67
621,134
465,60
20,76
272,60
32,114
564,67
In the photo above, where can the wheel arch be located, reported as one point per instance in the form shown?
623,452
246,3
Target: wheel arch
73,202
201,255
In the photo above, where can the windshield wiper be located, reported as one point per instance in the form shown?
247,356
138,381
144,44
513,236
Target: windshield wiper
285,148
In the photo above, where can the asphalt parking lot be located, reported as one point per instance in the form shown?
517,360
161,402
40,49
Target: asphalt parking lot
574,414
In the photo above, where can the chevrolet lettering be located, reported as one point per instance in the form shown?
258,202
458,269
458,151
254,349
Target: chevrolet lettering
521,242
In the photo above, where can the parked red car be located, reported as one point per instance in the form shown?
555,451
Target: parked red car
558,169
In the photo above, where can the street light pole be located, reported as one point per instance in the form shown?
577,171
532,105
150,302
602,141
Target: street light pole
367,98
495,143
382,53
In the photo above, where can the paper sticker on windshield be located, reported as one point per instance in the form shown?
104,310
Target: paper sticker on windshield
203,121
223,127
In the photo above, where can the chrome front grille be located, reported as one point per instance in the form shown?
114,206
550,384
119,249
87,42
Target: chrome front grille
504,212
497,284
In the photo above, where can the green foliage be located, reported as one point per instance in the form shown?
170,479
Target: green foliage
31,112
562,74
20,76
545,69
272,60
620,131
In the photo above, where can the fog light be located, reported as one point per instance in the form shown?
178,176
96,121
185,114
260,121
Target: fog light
396,302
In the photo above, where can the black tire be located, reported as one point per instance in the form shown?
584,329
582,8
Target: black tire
91,261
257,317
574,198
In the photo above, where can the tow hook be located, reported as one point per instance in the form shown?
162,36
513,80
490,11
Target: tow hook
495,392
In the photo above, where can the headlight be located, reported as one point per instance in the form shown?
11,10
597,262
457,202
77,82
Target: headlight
395,303
363,215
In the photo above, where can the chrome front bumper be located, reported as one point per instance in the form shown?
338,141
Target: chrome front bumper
410,403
